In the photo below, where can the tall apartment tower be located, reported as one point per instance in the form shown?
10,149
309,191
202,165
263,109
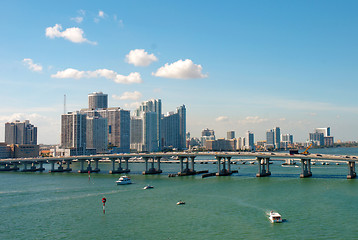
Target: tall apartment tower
118,126
277,132
73,132
174,129
96,135
151,113
230,135
20,133
97,100
249,141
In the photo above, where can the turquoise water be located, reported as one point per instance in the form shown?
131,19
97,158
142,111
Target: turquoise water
68,205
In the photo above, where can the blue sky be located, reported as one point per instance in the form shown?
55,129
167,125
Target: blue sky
236,65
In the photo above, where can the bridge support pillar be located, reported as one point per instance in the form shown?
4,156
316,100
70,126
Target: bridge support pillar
223,171
264,167
152,170
351,170
188,170
119,169
306,168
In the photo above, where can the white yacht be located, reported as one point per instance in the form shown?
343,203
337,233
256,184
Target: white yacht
124,180
148,187
275,217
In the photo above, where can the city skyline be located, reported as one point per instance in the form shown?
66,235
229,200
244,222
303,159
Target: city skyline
242,66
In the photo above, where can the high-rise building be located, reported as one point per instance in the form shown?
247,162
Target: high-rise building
73,132
287,138
207,134
151,113
20,133
97,133
270,138
249,141
230,135
136,133
317,138
174,129
326,131
118,126
97,100
273,138
277,132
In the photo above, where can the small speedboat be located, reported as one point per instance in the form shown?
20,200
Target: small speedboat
124,180
180,203
275,217
148,187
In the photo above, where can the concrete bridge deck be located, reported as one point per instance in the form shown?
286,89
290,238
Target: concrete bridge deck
186,160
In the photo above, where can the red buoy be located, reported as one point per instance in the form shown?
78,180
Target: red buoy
104,204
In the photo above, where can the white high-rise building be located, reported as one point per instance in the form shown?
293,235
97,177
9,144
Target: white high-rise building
73,132
174,129
150,112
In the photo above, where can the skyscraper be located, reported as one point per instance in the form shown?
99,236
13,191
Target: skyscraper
230,135
20,133
118,126
273,138
96,135
249,141
174,129
73,132
97,100
151,113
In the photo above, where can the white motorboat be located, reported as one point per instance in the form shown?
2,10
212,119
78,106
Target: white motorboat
275,217
148,187
124,180
180,203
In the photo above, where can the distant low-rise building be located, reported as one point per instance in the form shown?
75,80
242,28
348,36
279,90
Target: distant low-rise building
24,150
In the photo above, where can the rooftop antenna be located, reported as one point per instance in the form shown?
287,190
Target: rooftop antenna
64,104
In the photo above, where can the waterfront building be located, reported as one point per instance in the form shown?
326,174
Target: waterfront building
174,129
24,150
316,138
273,138
329,141
97,100
221,144
207,134
97,133
5,150
270,139
118,127
240,143
277,142
250,141
151,113
321,137
230,135
20,133
326,131
287,138
136,142
73,132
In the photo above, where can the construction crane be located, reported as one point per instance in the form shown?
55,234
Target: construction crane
305,152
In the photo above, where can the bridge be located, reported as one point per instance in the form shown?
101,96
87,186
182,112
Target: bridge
120,162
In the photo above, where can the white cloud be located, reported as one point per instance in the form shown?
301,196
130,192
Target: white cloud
181,70
109,74
222,119
73,34
100,14
253,120
128,96
133,105
31,65
139,57
77,19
